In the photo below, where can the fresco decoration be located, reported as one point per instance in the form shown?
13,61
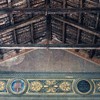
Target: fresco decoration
3,84
84,86
65,86
50,86
97,86
35,86
17,86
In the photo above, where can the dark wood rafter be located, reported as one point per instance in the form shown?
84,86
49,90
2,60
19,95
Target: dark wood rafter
28,4
52,46
32,31
48,22
50,10
1,54
64,24
16,26
80,22
16,41
92,52
79,26
32,34
49,27
14,33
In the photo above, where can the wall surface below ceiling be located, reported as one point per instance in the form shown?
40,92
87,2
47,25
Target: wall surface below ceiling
49,61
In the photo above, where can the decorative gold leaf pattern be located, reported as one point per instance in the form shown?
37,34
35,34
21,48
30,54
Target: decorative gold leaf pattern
50,82
98,86
65,86
35,86
51,86
2,85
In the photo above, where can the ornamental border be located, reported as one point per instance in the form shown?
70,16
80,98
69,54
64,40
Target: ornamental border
74,88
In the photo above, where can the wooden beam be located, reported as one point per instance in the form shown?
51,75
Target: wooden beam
19,25
80,22
76,25
92,52
50,10
48,21
64,24
51,46
1,54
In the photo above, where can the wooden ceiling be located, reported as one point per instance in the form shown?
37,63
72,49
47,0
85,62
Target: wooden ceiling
57,19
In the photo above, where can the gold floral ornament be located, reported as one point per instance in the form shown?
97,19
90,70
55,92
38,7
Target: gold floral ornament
98,86
2,85
35,86
65,86
51,90
51,86
50,82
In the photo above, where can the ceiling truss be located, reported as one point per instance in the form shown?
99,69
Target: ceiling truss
76,26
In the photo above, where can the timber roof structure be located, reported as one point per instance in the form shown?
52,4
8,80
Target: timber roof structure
56,24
